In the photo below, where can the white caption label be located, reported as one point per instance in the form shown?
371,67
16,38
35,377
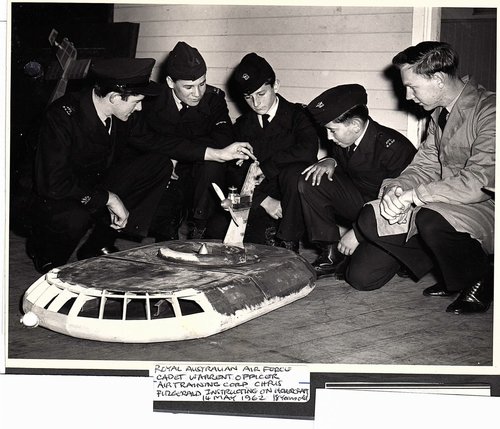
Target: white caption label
233,383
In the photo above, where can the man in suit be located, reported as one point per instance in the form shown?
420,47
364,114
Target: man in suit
190,124
284,141
437,213
84,175
364,154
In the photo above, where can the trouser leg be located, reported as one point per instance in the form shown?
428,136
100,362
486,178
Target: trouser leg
378,258
140,183
58,227
460,258
291,225
327,204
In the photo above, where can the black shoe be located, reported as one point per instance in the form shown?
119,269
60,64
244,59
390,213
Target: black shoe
439,289
404,273
330,262
270,236
42,264
292,245
87,251
474,299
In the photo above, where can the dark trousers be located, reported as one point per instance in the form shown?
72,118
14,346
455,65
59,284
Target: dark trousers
201,202
459,258
328,205
291,226
59,225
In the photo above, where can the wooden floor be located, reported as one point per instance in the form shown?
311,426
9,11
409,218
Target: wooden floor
334,324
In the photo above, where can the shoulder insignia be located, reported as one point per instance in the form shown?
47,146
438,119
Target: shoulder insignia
389,142
68,109
215,90
86,199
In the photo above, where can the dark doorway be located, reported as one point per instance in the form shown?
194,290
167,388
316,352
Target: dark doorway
472,32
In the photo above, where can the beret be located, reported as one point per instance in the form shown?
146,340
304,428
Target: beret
334,101
252,72
130,74
185,63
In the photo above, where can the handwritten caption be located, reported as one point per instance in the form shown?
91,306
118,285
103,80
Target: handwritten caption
232,383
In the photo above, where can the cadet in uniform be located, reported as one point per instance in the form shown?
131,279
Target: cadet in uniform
284,141
334,189
84,176
192,126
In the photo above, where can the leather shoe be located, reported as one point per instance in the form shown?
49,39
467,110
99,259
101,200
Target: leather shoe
87,251
330,262
439,289
474,299
42,264
292,245
403,272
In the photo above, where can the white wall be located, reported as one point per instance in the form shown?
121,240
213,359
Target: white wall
311,48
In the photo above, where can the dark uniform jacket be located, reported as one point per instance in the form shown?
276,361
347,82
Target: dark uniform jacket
290,138
186,137
74,151
381,153
76,155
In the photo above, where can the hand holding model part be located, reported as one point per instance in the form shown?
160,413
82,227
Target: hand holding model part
226,203
237,150
395,204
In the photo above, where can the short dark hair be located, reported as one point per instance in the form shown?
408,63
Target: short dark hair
427,58
358,111
102,90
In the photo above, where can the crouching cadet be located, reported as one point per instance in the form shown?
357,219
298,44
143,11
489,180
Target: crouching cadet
284,141
437,213
85,176
334,189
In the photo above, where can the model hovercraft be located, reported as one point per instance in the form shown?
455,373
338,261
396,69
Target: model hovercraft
170,291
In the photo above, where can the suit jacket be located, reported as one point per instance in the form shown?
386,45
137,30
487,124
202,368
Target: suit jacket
451,169
74,151
290,138
381,153
161,127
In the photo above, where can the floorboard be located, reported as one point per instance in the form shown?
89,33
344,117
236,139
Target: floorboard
334,324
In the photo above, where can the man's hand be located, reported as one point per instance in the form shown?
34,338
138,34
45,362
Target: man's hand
348,243
395,204
237,150
273,207
119,213
316,171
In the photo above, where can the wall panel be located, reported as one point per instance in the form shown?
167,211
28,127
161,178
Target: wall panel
311,48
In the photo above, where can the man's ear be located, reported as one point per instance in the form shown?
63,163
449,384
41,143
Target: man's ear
112,97
170,82
357,124
276,85
439,78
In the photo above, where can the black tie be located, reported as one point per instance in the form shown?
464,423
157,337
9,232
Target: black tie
183,108
107,124
265,121
443,117
350,150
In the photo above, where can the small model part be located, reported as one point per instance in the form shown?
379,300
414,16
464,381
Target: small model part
30,320
203,249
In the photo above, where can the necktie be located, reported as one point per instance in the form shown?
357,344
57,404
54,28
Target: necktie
443,117
183,108
350,150
265,121
107,124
